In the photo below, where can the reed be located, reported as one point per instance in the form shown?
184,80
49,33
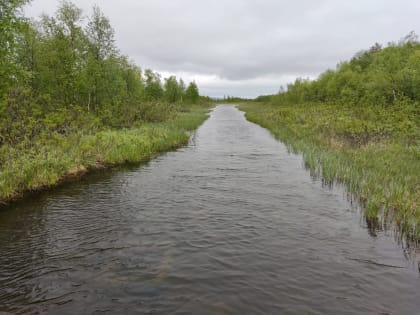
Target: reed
375,152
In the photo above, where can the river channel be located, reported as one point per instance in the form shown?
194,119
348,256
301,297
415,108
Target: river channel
230,224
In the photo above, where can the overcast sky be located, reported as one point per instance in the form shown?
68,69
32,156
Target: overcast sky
247,47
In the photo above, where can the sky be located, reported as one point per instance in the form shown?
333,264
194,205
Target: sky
247,48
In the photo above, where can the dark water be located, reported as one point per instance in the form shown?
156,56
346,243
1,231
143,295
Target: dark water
231,224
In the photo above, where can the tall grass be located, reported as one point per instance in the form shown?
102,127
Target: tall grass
375,152
47,163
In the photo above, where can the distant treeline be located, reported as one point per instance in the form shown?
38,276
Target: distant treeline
64,73
233,99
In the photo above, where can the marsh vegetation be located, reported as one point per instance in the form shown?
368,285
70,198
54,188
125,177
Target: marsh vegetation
359,125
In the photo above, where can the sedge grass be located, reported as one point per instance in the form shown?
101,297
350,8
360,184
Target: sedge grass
47,163
376,156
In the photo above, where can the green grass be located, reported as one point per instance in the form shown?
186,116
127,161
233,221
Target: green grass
48,162
374,151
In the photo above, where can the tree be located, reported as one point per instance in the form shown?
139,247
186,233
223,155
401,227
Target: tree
173,92
27,54
63,50
153,89
182,88
191,94
59,74
100,35
11,24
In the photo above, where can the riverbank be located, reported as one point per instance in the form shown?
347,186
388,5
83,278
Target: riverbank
47,164
372,150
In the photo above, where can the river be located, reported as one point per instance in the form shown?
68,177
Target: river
230,224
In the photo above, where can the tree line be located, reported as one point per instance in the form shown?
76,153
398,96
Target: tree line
377,76
64,73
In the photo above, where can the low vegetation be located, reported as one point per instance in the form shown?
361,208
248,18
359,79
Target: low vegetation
359,125
46,163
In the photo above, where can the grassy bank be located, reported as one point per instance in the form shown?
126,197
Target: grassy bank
47,163
374,151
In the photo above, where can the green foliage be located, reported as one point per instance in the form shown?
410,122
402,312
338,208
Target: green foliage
173,90
376,76
264,98
359,125
56,157
69,99
153,90
12,25
374,151
66,65
191,94
101,53
62,59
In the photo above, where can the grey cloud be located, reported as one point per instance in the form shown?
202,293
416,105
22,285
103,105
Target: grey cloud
244,41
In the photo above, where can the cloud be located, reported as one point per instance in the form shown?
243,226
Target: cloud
244,44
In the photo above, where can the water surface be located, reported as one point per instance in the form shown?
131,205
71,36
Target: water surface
230,224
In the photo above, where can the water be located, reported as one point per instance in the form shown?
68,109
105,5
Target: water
230,224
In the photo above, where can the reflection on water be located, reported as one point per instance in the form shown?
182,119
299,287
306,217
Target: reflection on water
231,224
